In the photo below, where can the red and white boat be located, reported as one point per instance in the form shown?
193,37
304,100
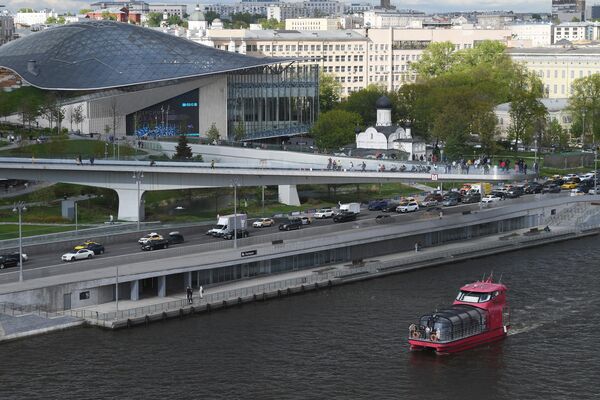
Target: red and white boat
478,316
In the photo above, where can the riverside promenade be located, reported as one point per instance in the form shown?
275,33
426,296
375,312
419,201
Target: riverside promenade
129,313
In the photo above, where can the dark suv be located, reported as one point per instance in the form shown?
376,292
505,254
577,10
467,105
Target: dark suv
8,260
155,244
514,192
290,225
240,233
344,217
473,197
533,187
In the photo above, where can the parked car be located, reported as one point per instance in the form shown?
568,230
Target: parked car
472,197
551,188
290,225
97,248
432,199
490,199
450,201
569,185
391,207
263,223
15,255
175,238
533,187
150,236
240,233
409,207
81,254
514,192
500,192
324,213
344,217
377,205
155,244
305,220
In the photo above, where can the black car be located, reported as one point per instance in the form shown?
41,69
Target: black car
240,233
8,261
97,248
533,187
514,192
156,244
472,198
452,195
175,238
391,207
290,225
551,188
377,205
344,217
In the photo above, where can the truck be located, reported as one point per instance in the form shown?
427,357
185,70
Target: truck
350,207
481,188
227,224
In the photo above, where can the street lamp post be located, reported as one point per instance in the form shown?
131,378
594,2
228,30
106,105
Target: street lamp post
19,208
235,185
76,216
138,176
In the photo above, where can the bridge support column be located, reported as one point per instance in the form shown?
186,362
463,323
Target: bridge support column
162,286
187,279
128,199
288,194
135,290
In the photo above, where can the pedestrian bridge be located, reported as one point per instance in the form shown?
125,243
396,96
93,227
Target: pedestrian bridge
131,179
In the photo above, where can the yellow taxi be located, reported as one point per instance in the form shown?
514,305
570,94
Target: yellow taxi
85,245
569,185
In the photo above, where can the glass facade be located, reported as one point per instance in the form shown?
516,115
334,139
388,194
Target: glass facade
173,117
272,101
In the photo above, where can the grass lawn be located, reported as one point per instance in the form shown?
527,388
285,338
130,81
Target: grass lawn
11,231
69,149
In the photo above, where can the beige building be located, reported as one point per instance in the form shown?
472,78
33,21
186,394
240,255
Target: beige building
557,110
355,59
312,24
558,67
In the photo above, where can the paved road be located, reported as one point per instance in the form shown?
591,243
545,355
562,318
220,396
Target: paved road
49,263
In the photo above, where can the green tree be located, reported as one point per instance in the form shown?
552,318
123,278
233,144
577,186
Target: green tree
26,10
437,58
213,134
107,16
61,20
272,23
210,16
329,92
239,131
555,136
525,107
78,117
363,103
84,11
183,151
154,19
174,20
584,105
335,128
50,20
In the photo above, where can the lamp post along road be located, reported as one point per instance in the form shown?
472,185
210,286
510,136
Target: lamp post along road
235,184
138,176
76,217
19,208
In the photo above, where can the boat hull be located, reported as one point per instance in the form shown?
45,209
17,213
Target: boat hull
459,344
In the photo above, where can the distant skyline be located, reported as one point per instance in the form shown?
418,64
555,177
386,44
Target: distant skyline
430,6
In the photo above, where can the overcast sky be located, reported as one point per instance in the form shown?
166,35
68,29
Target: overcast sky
424,5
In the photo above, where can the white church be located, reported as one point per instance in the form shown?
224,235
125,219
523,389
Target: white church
387,136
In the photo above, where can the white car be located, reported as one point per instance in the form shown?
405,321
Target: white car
263,222
78,255
490,198
150,236
324,213
411,206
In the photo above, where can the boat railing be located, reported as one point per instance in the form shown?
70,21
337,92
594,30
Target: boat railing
425,334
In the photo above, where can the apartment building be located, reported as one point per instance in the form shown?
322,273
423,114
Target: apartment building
7,28
309,8
571,31
353,58
34,18
312,24
558,67
531,34
170,9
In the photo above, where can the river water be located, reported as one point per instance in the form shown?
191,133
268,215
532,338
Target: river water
345,343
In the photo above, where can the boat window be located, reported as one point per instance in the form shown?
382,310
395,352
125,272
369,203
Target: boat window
473,297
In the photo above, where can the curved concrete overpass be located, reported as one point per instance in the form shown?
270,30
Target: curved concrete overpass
120,176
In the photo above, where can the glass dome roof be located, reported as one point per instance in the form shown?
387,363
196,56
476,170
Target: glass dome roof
105,54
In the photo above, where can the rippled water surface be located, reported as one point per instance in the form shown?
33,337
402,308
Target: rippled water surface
347,343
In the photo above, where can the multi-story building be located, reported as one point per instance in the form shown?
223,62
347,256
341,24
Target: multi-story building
355,8
381,18
353,58
118,14
312,24
169,9
34,18
531,34
7,28
572,31
568,10
140,7
558,67
309,8
558,109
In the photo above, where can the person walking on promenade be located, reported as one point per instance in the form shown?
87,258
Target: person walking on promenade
363,167
351,166
212,164
201,292
188,293
92,160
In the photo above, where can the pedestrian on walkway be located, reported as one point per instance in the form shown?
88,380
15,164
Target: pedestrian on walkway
92,160
363,167
189,295
212,164
201,291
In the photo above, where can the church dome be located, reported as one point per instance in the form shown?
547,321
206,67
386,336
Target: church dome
197,15
383,103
